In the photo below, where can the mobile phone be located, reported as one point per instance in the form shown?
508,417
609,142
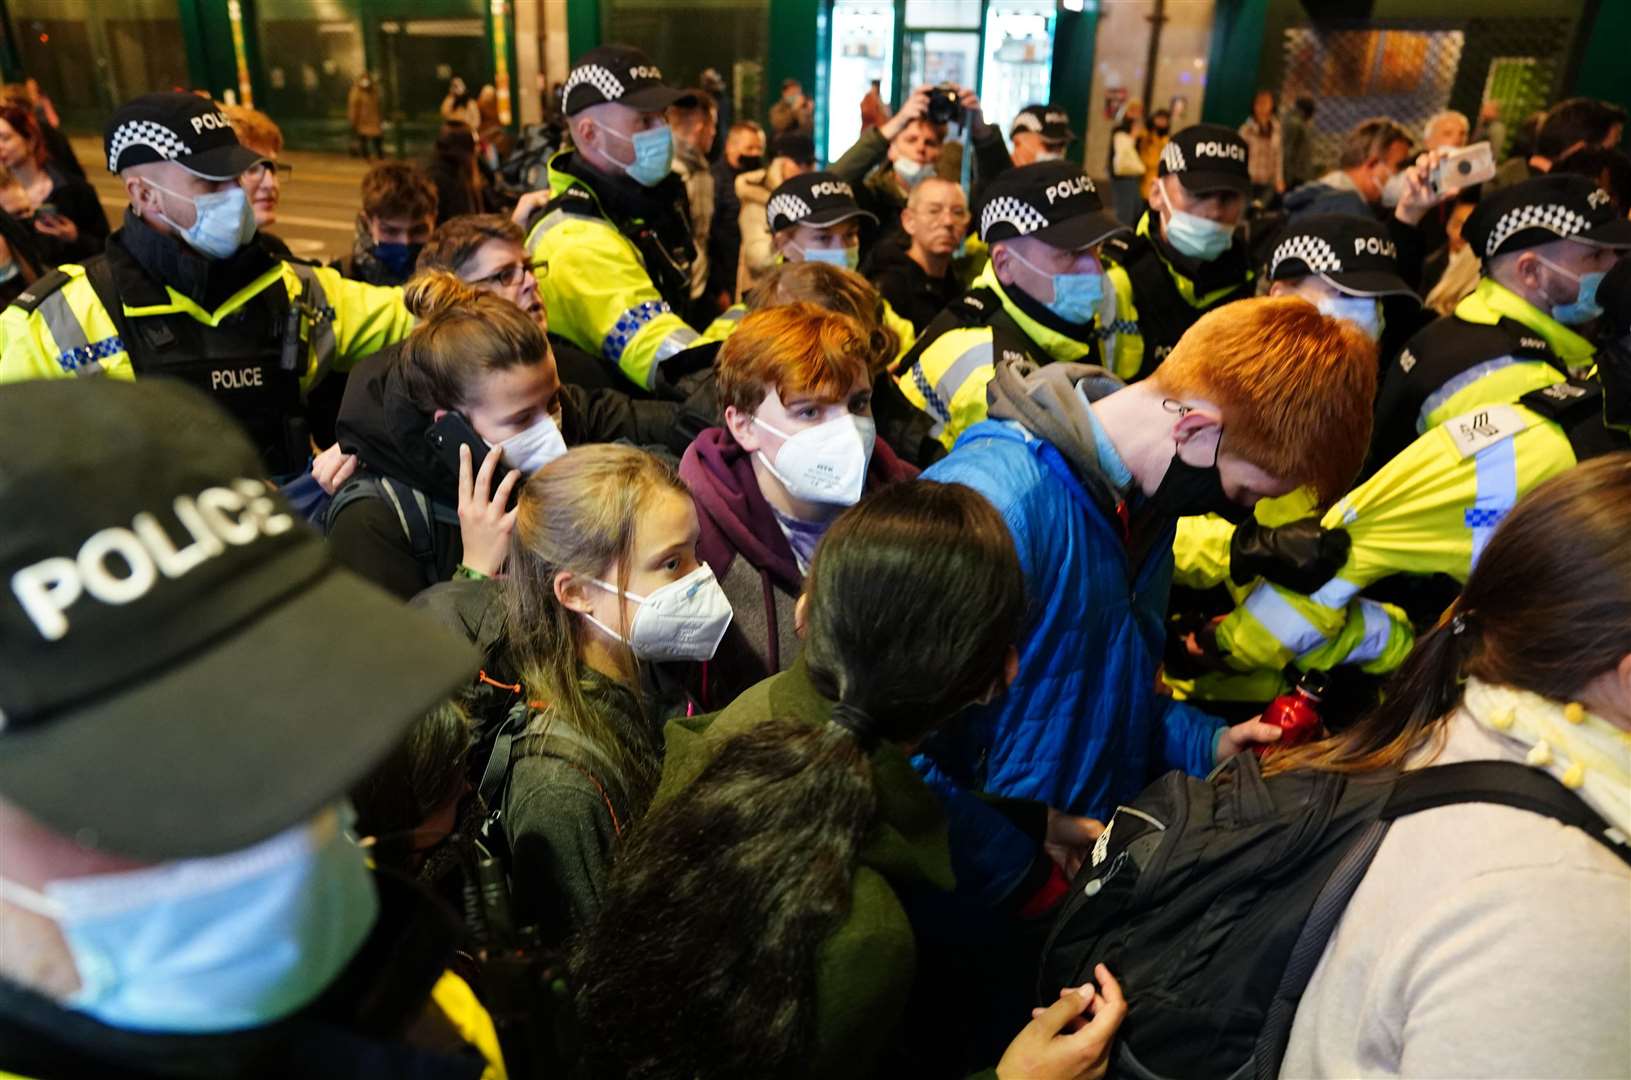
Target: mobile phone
1462,169
453,431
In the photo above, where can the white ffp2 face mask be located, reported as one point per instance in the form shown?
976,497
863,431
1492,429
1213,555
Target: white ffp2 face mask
683,620
826,463
535,447
223,220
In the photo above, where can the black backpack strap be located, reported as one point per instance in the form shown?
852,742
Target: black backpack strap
1310,948
496,776
1503,783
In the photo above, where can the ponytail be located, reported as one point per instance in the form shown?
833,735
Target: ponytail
702,961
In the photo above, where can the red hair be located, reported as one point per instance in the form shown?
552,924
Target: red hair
23,123
798,349
1296,388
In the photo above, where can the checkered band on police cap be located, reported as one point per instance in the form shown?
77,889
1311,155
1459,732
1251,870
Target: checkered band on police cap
1172,156
1553,217
610,87
1023,218
1027,121
791,208
156,137
1315,253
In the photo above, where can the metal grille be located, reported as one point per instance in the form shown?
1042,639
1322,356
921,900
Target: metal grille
1517,62
1405,75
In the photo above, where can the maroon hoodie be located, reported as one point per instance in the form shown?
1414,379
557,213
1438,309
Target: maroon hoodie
735,520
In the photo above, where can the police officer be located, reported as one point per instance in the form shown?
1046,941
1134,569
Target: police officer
616,231
1186,256
1040,133
814,218
1544,245
182,291
1038,296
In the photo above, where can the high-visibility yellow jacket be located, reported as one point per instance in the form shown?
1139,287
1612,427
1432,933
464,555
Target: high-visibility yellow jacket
70,333
598,292
1431,510
1495,347
953,367
1134,345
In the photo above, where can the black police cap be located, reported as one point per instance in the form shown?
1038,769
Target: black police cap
1053,201
1541,210
1355,254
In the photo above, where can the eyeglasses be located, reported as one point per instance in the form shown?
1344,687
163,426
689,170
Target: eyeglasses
932,212
257,172
510,276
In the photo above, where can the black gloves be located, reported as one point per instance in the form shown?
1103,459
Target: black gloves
1301,556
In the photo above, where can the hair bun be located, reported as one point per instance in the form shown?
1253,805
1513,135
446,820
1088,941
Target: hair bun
431,292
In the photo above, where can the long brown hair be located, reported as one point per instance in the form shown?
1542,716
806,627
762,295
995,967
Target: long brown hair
577,514
463,334
703,959
1547,609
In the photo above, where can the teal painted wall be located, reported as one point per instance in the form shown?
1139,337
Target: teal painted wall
1071,85
1603,72
1236,63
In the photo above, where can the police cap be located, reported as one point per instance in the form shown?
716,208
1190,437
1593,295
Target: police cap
616,74
1544,209
1354,254
1207,158
1053,201
815,198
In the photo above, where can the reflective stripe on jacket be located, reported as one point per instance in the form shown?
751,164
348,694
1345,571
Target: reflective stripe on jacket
598,293
949,377
70,333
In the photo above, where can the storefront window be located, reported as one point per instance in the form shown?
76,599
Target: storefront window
863,48
311,50
1119,70
137,46
1018,58
685,37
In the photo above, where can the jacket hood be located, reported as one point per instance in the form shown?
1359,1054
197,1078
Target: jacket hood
735,517
387,431
1049,402
907,841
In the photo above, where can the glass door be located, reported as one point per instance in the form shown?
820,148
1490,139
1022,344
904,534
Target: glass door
942,56
1018,58
863,49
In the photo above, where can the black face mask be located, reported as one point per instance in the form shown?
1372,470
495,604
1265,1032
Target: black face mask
1191,490
749,162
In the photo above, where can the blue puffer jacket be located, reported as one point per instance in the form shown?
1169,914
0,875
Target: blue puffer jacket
1082,728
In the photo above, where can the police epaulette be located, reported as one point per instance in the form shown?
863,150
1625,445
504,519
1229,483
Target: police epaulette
35,295
1566,401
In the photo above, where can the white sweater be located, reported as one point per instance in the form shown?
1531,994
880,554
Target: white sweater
1483,942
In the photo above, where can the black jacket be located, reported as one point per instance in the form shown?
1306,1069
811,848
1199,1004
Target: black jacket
387,431
76,200
355,1028
910,290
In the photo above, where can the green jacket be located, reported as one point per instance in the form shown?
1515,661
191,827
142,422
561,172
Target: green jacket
865,968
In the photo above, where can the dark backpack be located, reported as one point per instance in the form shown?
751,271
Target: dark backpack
416,512
1212,900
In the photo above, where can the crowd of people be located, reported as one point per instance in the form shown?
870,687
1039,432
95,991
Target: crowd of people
722,616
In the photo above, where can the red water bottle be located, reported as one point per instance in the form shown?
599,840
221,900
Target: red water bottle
1296,714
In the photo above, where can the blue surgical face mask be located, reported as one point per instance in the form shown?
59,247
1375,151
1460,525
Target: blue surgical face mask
653,154
1364,311
1197,237
1076,297
847,257
214,944
223,221
1584,307
911,173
